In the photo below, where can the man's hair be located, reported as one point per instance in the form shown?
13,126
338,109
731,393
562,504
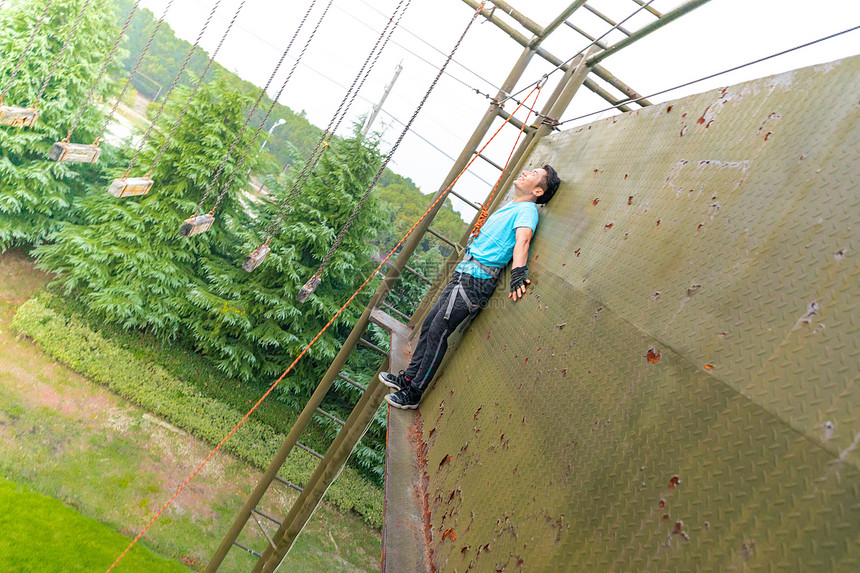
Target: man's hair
549,186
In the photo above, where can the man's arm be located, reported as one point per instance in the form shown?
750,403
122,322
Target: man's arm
521,259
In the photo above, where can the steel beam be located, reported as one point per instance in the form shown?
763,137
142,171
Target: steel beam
644,31
556,61
520,18
561,19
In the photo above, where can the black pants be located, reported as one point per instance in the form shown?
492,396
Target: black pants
436,329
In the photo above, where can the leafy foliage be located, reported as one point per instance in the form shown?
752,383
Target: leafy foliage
150,386
36,194
125,259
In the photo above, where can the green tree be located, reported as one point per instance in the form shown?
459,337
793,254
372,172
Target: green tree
35,194
252,321
125,261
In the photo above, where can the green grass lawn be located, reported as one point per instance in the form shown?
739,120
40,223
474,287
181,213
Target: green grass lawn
111,462
41,534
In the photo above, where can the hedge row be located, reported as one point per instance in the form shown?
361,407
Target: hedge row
148,385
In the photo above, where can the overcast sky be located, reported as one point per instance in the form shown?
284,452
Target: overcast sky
717,36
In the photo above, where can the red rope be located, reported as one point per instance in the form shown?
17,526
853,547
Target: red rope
441,197
482,218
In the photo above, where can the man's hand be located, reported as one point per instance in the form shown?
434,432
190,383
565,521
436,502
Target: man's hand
519,282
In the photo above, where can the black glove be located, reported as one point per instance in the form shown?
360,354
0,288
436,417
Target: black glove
518,278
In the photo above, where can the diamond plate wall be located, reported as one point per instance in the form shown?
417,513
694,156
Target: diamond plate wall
679,391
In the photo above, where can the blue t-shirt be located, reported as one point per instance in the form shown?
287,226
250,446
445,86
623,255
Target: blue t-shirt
494,246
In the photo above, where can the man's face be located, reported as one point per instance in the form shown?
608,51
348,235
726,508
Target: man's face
529,182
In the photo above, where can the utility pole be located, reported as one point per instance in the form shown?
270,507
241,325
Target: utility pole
378,106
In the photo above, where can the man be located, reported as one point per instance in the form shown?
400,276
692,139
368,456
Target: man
504,236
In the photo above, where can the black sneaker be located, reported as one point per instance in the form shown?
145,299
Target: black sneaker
407,399
396,381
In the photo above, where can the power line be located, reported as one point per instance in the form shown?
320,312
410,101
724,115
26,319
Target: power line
708,77
422,40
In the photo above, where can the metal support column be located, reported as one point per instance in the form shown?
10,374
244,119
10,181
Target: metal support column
361,325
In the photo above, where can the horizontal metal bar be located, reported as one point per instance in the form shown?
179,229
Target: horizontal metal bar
395,311
353,382
308,450
606,19
587,36
298,488
263,529
414,272
521,19
443,238
595,87
267,516
248,549
464,200
607,77
644,31
490,161
373,347
649,8
512,120
329,416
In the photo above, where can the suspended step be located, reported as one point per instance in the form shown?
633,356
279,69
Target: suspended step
15,116
196,224
131,186
65,152
309,288
256,258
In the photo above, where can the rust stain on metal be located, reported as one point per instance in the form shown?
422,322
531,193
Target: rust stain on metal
653,355
596,199
674,482
609,225
445,460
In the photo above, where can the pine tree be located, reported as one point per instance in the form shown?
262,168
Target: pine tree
35,194
253,321
126,261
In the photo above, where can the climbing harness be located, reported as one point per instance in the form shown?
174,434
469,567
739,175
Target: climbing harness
126,186
198,223
15,116
66,152
259,254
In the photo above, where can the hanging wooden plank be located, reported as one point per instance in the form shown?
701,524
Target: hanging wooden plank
196,224
65,152
130,187
15,116
309,288
256,258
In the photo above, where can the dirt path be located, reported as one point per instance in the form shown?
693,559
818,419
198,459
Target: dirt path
75,441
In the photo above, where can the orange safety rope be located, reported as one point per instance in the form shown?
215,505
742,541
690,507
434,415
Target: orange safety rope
482,218
370,277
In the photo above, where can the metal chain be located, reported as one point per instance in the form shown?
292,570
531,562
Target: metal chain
26,50
103,71
133,72
323,142
382,167
194,91
257,104
59,57
169,93
331,129
582,51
